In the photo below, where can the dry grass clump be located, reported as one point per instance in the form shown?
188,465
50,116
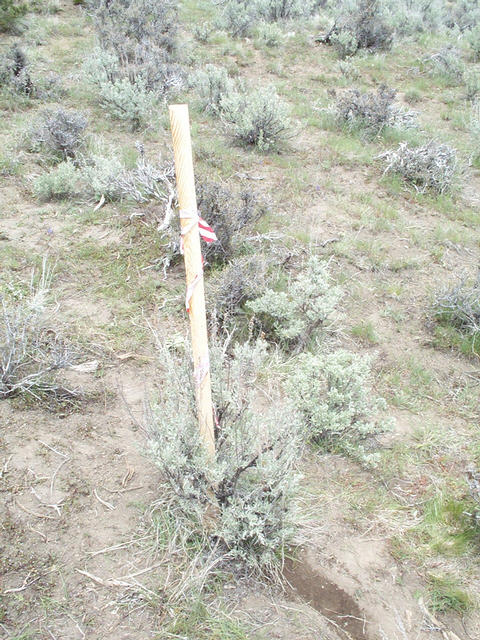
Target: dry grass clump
371,112
31,351
432,166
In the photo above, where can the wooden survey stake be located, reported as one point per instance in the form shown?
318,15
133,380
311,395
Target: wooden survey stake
187,200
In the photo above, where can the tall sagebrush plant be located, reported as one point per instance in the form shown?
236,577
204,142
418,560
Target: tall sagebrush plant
252,482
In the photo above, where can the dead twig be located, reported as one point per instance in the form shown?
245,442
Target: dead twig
32,513
109,506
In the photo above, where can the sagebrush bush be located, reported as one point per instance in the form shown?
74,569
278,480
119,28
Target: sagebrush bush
132,103
130,93
14,72
408,17
269,34
474,130
333,393
371,112
238,17
123,24
459,307
472,85
293,317
229,214
63,181
252,481
258,118
358,25
10,12
463,14
473,39
59,133
212,85
227,291
100,174
136,64
203,31
446,64
274,10
16,78
31,350
432,166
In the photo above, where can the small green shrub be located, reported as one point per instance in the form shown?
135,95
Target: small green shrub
212,85
63,181
258,118
432,166
333,392
252,482
295,316
10,12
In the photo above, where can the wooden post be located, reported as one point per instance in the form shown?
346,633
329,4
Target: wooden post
187,200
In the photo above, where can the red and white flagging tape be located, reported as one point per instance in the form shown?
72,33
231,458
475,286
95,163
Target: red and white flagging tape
206,232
